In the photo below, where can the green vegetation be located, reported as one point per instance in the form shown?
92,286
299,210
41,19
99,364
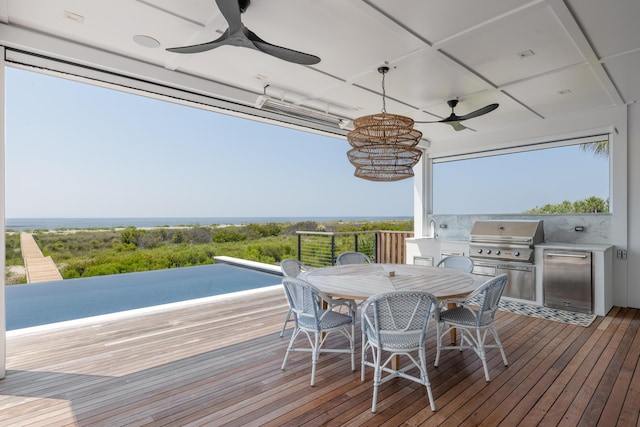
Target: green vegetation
599,148
589,205
86,253
14,254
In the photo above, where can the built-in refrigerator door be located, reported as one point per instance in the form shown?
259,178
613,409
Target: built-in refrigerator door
567,280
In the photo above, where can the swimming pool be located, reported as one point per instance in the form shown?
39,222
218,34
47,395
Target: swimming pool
61,300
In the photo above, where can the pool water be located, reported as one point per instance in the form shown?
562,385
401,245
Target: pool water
57,301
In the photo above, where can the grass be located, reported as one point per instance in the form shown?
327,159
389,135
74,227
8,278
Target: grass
86,253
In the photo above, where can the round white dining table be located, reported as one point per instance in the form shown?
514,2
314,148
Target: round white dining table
360,281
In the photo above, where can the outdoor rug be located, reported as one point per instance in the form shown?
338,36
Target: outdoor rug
570,317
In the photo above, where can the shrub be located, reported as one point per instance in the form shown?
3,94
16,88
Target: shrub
150,239
129,236
178,237
197,235
228,234
258,231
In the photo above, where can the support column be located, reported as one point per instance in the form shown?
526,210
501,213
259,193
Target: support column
420,199
3,231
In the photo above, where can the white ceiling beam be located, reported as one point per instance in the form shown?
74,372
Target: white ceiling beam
574,31
38,43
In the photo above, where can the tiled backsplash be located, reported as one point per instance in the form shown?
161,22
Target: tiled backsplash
557,228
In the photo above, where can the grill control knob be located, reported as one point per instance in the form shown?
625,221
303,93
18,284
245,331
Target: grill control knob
488,251
479,251
497,252
516,253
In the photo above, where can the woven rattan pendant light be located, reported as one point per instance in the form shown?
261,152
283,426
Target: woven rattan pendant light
384,145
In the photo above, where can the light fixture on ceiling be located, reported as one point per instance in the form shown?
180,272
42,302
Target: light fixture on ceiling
146,41
384,145
74,17
280,106
525,54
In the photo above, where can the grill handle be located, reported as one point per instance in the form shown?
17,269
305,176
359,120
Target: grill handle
554,254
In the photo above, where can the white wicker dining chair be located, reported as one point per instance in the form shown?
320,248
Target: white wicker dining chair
316,323
474,317
457,262
396,323
291,267
352,258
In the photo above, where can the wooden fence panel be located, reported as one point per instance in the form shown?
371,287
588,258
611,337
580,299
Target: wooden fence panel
391,246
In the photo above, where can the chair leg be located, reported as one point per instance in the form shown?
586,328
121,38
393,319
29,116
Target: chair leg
363,356
482,353
499,345
439,327
315,354
286,320
352,344
377,377
295,333
425,378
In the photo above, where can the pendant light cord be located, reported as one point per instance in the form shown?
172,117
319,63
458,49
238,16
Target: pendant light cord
384,95
383,70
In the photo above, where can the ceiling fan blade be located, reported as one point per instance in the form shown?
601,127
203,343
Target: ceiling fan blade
281,52
451,118
479,112
230,9
240,36
203,47
457,126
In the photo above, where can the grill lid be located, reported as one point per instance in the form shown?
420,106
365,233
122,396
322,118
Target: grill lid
509,232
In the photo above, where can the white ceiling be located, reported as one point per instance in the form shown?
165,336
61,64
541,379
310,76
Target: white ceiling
586,53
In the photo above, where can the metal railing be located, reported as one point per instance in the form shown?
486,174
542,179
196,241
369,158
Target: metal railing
319,249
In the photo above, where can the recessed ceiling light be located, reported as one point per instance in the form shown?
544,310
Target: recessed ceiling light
74,16
146,41
525,54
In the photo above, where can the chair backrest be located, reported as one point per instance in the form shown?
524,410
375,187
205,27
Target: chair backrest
457,262
487,297
292,267
392,316
305,302
352,258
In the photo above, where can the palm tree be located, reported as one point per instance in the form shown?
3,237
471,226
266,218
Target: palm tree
599,148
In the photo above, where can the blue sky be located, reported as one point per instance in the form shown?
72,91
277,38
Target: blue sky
77,150
518,182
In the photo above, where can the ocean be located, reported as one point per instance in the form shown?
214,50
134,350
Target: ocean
21,224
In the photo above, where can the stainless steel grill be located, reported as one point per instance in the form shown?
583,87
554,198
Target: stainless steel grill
505,240
498,247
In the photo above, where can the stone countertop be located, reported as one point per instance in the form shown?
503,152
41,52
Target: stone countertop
543,245
435,239
575,246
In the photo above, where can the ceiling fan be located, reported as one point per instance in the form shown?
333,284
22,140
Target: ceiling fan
239,35
455,120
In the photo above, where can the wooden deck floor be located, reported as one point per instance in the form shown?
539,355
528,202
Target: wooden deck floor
219,364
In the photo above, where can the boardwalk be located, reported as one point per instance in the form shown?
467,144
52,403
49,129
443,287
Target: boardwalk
218,363
38,268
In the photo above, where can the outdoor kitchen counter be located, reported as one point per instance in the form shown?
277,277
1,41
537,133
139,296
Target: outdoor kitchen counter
602,270
575,246
428,251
